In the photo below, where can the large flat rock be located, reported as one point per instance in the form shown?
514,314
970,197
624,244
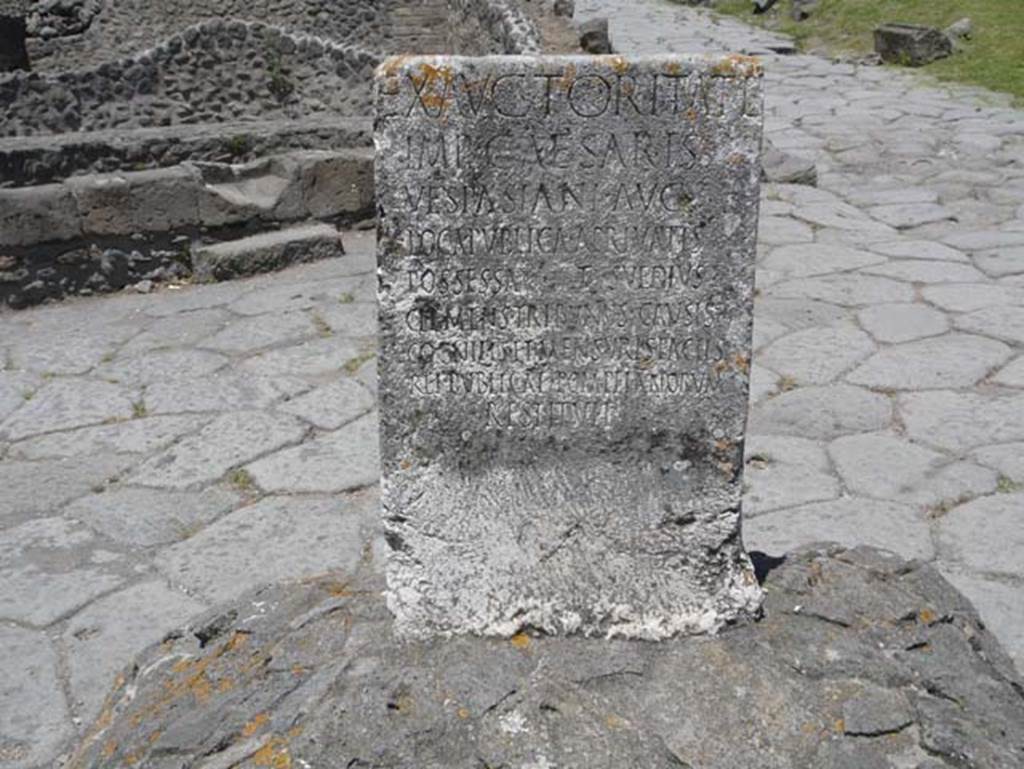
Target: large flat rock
861,660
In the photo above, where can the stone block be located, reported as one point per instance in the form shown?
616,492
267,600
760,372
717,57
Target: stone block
911,45
266,252
158,200
566,266
268,188
594,36
30,215
337,183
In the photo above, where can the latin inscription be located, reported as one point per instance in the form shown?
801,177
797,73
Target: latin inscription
550,275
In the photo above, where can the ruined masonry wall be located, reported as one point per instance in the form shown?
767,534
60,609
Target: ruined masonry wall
211,73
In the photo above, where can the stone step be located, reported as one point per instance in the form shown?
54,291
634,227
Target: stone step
266,252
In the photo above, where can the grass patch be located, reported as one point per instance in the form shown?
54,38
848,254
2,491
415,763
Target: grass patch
1007,485
353,365
139,409
991,58
242,480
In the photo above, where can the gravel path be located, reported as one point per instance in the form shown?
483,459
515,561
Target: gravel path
162,453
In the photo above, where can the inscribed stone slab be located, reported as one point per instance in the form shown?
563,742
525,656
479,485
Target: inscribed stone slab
566,271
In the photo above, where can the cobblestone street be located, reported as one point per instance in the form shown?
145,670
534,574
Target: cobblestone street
162,453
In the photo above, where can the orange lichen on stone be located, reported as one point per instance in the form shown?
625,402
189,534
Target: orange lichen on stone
109,748
273,754
614,722
258,722
927,616
462,713
737,65
520,641
618,64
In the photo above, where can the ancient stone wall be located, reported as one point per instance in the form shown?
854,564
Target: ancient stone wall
508,28
211,73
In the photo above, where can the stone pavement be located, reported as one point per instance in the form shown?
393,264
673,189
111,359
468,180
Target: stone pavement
161,453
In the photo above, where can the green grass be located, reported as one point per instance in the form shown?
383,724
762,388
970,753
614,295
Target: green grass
993,57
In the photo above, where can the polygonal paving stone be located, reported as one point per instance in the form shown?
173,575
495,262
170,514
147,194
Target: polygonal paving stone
16,387
67,403
779,230
841,216
918,249
1008,261
850,521
889,467
767,331
845,290
278,538
999,605
184,330
967,297
345,459
226,390
262,332
191,298
895,323
986,535
1006,458
309,359
785,472
808,259
1011,375
821,412
61,352
147,517
874,196
795,314
104,637
984,240
331,406
34,489
763,382
49,568
960,421
953,360
1000,322
367,375
137,436
903,216
922,271
160,366
817,355
34,720
228,441
355,319
293,297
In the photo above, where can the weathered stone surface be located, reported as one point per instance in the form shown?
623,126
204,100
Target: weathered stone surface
818,355
147,517
137,436
99,638
986,534
851,521
953,360
65,404
1000,322
266,252
784,472
47,569
806,259
858,653
228,441
345,459
277,538
248,335
142,201
37,214
895,323
821,412
957,421
332,406
226,390
889,467
557,406
911,44
33,713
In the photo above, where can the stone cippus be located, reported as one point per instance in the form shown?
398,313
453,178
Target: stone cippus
566,285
